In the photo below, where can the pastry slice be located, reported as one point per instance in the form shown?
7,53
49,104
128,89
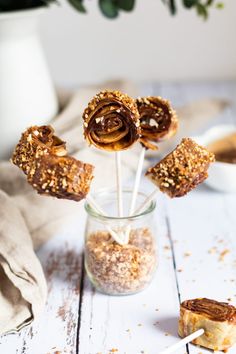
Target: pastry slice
35,142
111,121
218,319
62,177
182,170
158,120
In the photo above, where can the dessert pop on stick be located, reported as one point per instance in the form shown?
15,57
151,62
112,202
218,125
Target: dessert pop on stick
218,319
158,122
38,155
111,122
35,142
180,171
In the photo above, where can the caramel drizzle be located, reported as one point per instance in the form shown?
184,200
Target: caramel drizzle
214,310
110,123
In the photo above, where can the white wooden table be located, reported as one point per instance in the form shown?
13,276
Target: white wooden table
197,258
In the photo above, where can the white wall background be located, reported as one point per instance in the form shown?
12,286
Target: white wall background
147,44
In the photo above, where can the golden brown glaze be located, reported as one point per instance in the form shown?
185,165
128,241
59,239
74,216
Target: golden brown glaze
35,142
214,310
62,177
182,170
158,120
111,121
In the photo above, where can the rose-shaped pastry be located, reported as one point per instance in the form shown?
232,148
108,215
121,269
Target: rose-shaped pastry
182,170
62,177
36,141
157,119
111,121
218,319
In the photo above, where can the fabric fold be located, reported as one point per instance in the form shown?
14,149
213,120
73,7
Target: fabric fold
23,285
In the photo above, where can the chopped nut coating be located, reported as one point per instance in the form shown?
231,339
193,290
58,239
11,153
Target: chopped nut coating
41,156
61,177
35,142
182,170
158,120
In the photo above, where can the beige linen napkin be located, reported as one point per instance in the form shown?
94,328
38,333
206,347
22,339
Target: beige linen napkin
27,220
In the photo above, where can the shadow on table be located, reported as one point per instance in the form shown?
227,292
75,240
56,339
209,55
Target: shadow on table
168,325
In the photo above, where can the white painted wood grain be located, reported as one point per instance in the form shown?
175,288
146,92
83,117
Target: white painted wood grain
56,329
203,227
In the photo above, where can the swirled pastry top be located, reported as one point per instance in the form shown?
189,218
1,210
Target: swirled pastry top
182,170
37,141
213,310
62,177
111,121
157,119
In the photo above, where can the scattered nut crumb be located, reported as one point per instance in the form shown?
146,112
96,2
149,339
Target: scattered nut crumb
212,250
187,254
223,254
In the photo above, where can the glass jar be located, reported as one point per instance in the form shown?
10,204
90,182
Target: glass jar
113,267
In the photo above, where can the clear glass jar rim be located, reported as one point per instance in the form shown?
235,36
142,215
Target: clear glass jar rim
92,212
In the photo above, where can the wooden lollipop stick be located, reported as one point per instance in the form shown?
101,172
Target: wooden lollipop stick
119,184
137,181
183,342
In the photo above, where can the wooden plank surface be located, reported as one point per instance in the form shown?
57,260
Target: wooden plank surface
197,257
56,330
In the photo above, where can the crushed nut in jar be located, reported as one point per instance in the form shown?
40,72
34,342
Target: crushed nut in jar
120,269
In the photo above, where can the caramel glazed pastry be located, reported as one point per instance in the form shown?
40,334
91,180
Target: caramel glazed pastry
42,157
35,142
218,319
111,121
181,170
158,120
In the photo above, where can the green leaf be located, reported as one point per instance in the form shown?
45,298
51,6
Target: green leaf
78,5
190,3
172,7
126,5
109,8
202,11
220,5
